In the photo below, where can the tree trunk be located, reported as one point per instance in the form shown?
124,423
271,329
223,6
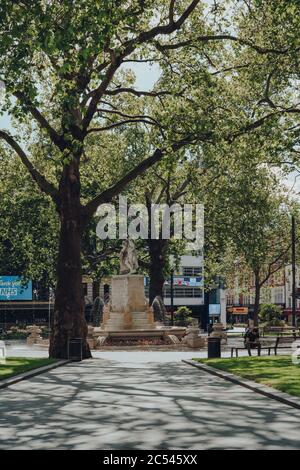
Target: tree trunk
68,319
257,297
157,249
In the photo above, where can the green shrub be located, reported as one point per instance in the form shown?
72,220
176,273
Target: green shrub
13,335
270,314
182,317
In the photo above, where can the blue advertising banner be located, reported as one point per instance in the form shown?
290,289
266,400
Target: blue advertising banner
12,288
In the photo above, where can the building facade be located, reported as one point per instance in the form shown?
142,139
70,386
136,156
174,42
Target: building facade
277,290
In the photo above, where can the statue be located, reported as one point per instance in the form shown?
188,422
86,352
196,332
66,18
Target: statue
128,258
159,310
97,311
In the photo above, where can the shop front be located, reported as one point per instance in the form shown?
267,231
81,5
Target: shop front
237,315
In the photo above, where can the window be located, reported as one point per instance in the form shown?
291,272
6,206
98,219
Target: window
191,292
192,270
278,295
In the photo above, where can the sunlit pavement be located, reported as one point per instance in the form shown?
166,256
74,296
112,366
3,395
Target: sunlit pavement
141,400
21,349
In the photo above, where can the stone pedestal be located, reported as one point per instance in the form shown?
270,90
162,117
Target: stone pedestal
90,337
127,293
128,309
35,335
193,339
218,332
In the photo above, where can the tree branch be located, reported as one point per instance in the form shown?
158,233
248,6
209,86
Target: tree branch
171,11
57,139
255,124
181,190
41,181
118,124
98,93
249,127
281,256
108,194
221,37
128,48
129,116
117,91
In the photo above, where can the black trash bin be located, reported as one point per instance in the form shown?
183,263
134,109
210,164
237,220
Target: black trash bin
213,347
75,349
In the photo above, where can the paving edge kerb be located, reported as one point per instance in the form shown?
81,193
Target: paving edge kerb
254,386
32,373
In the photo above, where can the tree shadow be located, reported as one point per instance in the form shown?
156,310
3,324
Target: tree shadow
101,404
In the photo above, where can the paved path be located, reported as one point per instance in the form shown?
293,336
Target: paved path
126,402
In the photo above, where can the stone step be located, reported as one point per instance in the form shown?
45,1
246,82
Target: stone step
117,321
143,327
144,321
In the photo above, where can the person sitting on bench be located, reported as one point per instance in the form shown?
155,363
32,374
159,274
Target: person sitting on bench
251,340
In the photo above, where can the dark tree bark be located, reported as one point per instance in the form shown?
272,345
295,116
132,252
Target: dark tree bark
68,319
157,253
257,296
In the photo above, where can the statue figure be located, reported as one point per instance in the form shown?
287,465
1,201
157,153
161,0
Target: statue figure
97,311
128,258
159,309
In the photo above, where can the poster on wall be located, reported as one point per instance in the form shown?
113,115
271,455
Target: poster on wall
15,288
214,309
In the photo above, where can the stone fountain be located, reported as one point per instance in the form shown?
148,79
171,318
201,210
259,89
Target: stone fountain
128,315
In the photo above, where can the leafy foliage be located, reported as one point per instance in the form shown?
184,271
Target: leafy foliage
270,314
182,316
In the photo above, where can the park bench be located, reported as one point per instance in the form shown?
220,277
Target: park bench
2,350
279,330
252,346
282,342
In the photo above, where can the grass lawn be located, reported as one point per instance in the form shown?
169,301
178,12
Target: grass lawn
18,365
276,371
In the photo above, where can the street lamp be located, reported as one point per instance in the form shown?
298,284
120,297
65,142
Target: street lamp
293,247
172,266
293,271
172,296
51,295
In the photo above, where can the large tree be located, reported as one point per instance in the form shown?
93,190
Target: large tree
250,227
62,67
59,61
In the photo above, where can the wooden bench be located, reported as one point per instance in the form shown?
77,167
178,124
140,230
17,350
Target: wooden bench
2,351
279,330
252,346
282,342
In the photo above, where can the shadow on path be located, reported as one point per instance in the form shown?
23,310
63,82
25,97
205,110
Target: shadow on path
101,404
